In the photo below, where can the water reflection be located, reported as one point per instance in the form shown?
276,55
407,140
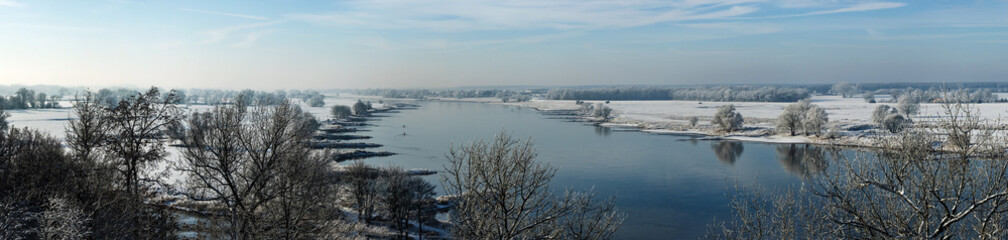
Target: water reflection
602,131
804,160
727,151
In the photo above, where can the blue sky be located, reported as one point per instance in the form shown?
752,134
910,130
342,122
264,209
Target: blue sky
446,43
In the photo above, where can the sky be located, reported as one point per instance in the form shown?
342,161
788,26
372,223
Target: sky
451,43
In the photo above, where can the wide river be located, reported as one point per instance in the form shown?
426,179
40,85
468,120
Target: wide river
670,186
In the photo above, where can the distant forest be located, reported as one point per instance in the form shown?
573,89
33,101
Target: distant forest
720,94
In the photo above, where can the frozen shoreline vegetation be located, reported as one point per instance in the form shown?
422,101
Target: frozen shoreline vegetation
852,116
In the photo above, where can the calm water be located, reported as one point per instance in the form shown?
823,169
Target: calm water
670,186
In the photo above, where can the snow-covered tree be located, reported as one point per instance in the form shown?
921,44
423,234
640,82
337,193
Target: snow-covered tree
727,119
340,111
602,111
360,108
880,113
890,119
63,221
791,118
815,120
844,89
908,105
317,101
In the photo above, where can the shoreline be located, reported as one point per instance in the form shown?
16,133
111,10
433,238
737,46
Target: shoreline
671,126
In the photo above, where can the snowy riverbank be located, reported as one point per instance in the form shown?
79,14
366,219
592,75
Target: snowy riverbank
672,117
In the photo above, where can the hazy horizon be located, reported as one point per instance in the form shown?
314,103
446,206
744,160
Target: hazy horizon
445,43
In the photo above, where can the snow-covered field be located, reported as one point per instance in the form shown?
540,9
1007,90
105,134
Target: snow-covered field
840,110
54,121
671,117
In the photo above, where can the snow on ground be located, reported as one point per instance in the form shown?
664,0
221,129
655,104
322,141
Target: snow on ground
54,121
840,110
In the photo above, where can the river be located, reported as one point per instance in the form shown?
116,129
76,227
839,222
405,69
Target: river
670,186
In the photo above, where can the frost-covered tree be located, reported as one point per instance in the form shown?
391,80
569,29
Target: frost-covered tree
3,120
360,108
63,221
139,123
317,101
881,112
790,119
815,120
340,111
869,97
693,121
908,105
726,119
889,119
504,193
602,111
844,89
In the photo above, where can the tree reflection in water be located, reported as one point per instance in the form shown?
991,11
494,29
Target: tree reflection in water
803,160
911,190
602,131
727,151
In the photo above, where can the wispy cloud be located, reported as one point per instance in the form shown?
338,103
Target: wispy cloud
451,15
251,39
9,3
54,27
860,7
221,13
221,34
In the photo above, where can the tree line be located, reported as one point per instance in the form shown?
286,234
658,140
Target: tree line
720,94
25,98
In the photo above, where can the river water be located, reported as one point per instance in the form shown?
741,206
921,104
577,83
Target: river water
670,186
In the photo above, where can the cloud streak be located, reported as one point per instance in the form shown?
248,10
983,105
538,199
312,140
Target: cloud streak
860,7
454,15
221,34
221,13
9,3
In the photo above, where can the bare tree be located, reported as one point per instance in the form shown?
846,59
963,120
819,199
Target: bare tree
256,163
364,190
3,121
908,189
86,133
63,221
136,127
503,193
591,218
422,194
397,200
